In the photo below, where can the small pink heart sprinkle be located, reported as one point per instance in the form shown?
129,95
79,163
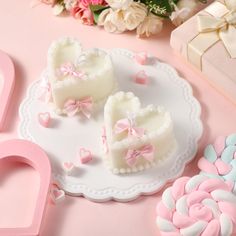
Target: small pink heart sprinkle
235,155
85,156
141,58
68,166
141,78
57,195
44,119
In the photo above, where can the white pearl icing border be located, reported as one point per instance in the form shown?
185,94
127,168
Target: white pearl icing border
129,194
135,169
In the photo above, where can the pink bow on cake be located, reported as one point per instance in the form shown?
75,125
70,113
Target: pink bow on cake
128,125
84,105
69,69
146,152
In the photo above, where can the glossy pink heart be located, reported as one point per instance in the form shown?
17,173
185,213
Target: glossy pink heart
31,154
8,73
85,156
57,195
141,78
44,119
68,166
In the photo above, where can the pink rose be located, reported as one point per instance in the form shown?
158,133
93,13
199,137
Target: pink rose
82,11
84,14
87,17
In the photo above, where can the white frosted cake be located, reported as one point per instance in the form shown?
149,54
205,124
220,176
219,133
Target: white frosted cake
75,75
136,138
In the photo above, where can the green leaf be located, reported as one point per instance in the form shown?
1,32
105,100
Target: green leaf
160,7
97,10
95,16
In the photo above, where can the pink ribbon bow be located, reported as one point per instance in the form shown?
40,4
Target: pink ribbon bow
128,125
69,69
84,105
146,152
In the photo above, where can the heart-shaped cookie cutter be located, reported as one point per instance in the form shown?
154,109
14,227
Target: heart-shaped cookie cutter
31,154
8,72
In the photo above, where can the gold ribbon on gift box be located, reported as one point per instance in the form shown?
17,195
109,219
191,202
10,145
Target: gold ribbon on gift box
218,24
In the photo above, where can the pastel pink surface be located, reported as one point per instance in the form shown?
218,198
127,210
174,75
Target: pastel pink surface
7,71
34,30
33,155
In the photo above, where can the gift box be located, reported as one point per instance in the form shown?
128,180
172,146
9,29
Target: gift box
208,41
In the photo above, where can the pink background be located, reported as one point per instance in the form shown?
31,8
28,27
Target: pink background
25,35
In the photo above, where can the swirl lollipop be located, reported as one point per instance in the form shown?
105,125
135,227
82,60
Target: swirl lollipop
219,160
197,206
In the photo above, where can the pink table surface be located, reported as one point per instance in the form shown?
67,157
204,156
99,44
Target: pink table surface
25,35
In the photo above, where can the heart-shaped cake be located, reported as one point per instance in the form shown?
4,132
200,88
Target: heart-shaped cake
78,79
136,138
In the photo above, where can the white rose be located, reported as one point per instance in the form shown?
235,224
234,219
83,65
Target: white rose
119,4
69,4
134,15
183,11
150,26
112,20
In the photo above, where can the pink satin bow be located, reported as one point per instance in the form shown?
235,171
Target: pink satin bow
127,125
69,69
84,105
146,152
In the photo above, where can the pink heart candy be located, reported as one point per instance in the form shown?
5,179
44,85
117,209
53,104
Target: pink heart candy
68,166
141,78
85,156
141,58
57,195
44,119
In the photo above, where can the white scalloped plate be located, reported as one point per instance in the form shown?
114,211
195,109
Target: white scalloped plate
94,181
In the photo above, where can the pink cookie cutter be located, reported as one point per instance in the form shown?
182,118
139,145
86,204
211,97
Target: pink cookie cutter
31,154
8,72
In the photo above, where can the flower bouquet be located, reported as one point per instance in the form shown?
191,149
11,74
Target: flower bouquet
118,16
